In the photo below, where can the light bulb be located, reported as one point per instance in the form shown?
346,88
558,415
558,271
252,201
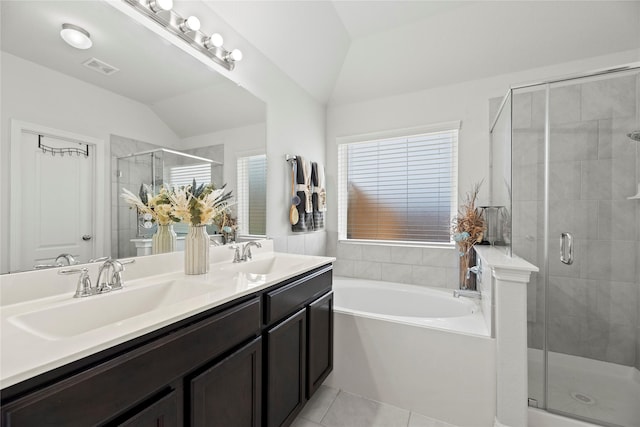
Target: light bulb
161,5
234,56
190,24
76,36
214,41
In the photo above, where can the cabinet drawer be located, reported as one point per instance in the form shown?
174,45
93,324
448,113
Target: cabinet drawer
106,390
163,413
285,300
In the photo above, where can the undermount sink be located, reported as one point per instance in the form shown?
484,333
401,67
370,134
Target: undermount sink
78,316
278,263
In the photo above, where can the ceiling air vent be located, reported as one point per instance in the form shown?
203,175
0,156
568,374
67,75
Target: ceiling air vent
100,66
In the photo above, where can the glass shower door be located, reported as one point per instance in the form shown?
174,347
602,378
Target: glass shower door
591,233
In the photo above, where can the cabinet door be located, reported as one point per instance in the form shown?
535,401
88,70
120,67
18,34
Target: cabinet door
163,413
229,393
286,354
319,342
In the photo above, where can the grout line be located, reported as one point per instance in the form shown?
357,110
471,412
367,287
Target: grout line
329,407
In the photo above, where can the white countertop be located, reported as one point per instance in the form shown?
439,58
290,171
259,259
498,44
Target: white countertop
25,354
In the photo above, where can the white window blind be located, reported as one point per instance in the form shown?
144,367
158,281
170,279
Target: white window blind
401,189
251,195
184,175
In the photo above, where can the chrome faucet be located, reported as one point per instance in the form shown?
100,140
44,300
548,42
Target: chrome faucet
68,258
475,270
110,266
467,293
246,251
62,260
115,268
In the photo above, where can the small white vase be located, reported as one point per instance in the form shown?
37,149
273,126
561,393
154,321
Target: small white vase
164,240
196,250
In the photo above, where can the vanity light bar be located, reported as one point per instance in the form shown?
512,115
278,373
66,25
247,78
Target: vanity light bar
188,29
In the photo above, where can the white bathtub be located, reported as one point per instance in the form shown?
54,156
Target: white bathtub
416,348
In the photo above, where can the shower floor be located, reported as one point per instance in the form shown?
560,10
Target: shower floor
591,389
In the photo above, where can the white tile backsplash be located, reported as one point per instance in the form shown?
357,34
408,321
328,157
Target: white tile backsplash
400,273
406,255
435,267
367,270
376,253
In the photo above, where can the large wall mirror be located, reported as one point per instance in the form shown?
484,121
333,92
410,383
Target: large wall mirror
79,124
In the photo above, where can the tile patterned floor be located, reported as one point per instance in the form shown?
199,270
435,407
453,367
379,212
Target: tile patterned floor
330,407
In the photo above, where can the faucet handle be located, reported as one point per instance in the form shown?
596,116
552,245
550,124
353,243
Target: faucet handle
84,288
236,256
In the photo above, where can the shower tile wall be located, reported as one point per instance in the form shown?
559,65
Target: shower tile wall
124,221
594,167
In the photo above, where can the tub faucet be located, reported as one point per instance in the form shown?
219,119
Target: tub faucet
475,270
466,293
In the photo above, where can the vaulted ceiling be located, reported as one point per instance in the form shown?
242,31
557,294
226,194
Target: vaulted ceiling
346,51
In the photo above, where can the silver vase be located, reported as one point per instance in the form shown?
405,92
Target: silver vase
164,240
196,250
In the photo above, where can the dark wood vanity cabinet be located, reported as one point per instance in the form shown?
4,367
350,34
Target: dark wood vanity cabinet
286,373
299,334
249,363
229,393
320,342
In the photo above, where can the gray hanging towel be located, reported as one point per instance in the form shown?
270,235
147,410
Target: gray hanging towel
318,215
303,190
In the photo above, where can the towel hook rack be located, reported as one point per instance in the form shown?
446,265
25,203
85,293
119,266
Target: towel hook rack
62,151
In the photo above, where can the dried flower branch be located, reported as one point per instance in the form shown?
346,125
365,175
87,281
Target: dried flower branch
199,205
468,226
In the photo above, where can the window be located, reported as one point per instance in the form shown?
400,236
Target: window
251,196
181,176
400,188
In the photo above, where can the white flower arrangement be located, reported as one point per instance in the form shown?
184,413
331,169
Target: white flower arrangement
157,207
199,205
196,205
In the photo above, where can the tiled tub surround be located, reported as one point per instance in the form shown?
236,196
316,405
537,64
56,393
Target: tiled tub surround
594,303
443,367
425,266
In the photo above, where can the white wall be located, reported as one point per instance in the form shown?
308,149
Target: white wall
35,94
295,125
467,102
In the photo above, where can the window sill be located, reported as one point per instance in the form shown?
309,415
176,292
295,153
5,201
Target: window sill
398,244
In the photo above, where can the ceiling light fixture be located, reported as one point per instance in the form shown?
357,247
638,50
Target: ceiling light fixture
161,5
76,36
187,29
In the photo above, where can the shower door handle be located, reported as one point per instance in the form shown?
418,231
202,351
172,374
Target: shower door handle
566,248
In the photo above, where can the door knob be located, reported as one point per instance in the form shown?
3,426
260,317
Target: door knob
87,237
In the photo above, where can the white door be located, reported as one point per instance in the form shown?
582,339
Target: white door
56,202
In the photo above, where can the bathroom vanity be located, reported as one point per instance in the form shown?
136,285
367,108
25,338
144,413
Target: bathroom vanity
249,358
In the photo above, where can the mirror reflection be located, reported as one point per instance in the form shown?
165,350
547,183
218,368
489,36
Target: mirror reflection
139,107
